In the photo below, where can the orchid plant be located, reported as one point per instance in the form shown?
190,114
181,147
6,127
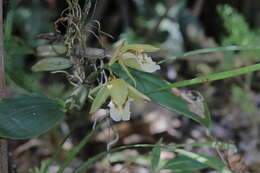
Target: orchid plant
128,78
120,91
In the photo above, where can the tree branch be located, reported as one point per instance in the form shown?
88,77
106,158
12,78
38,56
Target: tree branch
96,53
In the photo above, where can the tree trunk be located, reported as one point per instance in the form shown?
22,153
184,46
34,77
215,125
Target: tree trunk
3,94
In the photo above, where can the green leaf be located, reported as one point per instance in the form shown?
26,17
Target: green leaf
79,95
51,64
130,60
155,155
210,77
126,71
139,159
101,97
183,163
146,82
19,77
14,49
139,47
26,116
93,159
210,50
51,50
118,91
136,95
206,160
8,25
16,46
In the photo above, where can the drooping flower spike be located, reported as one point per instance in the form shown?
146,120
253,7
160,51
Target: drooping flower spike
120,92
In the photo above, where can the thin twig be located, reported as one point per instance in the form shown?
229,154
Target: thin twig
3,94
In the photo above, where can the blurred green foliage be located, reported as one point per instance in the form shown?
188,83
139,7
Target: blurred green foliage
244,99
21,26
42,168
239,33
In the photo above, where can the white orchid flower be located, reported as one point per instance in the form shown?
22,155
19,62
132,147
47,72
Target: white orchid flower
146,63
119,113
140,61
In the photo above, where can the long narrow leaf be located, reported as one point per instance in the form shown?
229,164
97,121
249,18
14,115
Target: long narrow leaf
90,161
146,82
210,77
182,164
72,154
155,155
210,50
209,161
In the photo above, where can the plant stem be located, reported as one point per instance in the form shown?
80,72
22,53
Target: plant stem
3,94
72,154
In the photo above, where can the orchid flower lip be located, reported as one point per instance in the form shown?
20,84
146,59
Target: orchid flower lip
118,113
143,60
147,64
